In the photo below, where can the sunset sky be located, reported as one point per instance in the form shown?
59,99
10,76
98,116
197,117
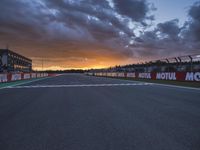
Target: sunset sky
67,34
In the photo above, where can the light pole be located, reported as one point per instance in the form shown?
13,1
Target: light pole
42,64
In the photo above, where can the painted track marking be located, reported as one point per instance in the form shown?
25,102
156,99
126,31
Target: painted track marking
79,85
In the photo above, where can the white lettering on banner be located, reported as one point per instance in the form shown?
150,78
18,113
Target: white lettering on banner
38,75
120,75
33,75
108,74
16,77
3,78
145,75
114,74
104,74
45,74
27,76
131,75
166,76
192,76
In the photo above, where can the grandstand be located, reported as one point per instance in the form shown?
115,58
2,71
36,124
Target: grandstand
13,62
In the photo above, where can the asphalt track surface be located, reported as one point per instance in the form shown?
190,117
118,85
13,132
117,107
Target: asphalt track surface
77,112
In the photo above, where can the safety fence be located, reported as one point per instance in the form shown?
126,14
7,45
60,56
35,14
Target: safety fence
8,77
175,76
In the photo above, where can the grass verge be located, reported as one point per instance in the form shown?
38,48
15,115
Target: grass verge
19,82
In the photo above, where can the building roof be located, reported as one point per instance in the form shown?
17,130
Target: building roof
7,50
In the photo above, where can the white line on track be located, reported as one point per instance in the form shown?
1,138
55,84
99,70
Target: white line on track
159,84
79,85
176,86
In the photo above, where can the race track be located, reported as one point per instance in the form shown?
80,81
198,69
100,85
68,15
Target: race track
78,112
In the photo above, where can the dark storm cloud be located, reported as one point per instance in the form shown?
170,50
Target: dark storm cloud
169,38
135,9
93,15
193,26
23,19
170,28
167,31
60,26
39,21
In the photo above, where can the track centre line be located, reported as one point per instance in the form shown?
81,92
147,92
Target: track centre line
79,85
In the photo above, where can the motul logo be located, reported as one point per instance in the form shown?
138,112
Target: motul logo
191,76
166,76
145,75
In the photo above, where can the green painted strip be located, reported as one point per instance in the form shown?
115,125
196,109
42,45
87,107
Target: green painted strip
20,82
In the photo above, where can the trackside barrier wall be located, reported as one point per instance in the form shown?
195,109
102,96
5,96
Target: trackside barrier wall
175,76
21,76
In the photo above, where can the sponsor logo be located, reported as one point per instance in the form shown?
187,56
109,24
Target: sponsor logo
107,74
33,75
27,76
104,74
112,74
145,75
16,77
120,74
38,75
131,75
3,78
192,76
189,76
166,76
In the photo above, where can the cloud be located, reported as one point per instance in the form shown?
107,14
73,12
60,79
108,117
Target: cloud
75,28
91,21
168,39
193,26
135,9
96,16
170,28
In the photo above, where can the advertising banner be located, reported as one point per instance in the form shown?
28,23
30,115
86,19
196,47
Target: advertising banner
26,76
173,76
3,78
8,77
15,77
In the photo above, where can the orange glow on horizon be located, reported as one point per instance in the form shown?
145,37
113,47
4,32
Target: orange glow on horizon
98,64
71,68
60,68
90,59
